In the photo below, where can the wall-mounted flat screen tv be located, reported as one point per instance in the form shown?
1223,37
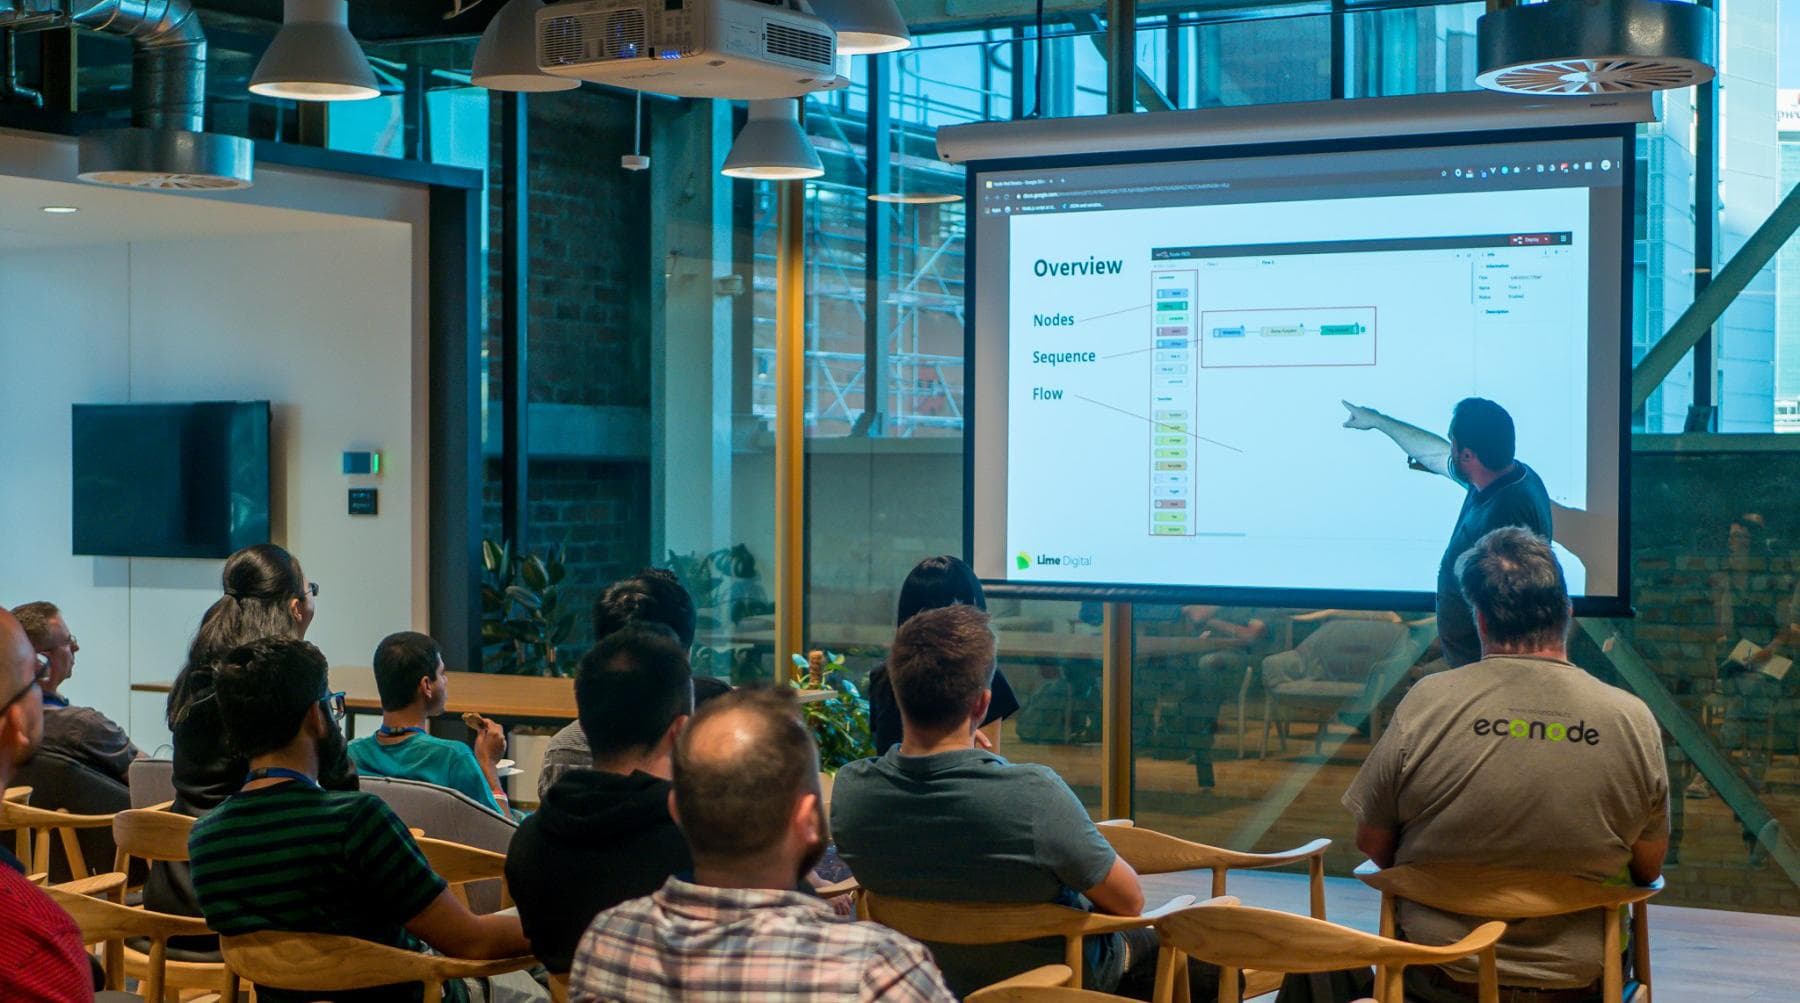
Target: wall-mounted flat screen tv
170,480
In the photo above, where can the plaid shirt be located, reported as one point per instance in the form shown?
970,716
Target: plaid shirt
698,943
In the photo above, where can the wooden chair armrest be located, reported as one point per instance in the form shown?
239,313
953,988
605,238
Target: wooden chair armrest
848,886
1367,869
1316,848
17,795
160,806
40,879
1047,977
99,884
1102,923
1122,823
1178,902
467,968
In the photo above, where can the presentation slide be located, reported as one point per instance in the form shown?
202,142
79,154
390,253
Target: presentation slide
1226,375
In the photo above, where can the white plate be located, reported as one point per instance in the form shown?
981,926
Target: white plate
507,771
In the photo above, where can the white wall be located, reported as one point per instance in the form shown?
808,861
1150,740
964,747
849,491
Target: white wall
321,323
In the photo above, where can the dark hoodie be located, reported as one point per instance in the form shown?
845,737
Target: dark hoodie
598,839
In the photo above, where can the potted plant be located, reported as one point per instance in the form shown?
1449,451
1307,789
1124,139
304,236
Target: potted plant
522,620
840,722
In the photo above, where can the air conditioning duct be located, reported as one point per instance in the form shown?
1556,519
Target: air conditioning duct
166,146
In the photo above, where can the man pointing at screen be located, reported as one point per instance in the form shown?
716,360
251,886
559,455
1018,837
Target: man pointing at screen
1501,492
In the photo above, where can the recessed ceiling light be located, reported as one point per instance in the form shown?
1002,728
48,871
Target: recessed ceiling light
62,210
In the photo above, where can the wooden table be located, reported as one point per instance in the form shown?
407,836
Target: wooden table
543,698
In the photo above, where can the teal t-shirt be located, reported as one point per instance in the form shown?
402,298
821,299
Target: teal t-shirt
426,758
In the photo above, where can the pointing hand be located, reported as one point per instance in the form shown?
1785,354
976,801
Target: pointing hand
1360,417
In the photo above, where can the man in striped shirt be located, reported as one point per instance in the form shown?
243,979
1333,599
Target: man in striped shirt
284,854
746,795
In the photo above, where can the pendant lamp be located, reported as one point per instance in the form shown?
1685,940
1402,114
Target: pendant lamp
314,57
771,146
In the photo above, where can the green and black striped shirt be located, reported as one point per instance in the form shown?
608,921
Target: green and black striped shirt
296,858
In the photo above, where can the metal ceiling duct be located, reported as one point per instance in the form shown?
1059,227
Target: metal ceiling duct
166,146
1585,47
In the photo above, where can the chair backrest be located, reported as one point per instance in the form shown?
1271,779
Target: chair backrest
1242,937
443,813
1346,650
61,783
317,962
34,828
1507,893
152,781
1152,852
472,873
992,923
109,923
144,834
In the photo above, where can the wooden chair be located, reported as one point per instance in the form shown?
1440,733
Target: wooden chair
1152,852
1514,893
33,828
109,923
461,866
1004,923
321,962
1239,938
151,835
1048,984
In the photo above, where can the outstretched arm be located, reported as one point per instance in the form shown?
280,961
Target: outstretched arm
1426,451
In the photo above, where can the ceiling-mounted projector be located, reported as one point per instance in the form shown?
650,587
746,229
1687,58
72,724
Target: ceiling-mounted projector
692,48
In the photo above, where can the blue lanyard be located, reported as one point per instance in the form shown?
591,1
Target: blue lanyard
281,773
392,732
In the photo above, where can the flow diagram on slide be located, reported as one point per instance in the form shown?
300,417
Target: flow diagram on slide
1188,369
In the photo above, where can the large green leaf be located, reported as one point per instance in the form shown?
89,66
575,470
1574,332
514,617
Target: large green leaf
531,569
523,596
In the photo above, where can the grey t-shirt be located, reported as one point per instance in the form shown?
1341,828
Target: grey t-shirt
968,826
1518,762
567,750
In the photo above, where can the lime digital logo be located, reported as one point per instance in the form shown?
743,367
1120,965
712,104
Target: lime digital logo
1024,560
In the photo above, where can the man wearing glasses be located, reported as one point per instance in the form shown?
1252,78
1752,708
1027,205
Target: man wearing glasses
79,733
41,956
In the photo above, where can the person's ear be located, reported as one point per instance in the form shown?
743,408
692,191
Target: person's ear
297,610
982,703
674,812
676,727
1481,626
318,720
803,821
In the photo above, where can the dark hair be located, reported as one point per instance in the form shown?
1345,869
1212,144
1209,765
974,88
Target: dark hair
940,662
258,582
264,690
736,793
707,688
1485,427
630,687
937,582
652,595
35,617
1512,578
401,660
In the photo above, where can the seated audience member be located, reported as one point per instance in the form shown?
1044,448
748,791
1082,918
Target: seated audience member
266,594
285,854
1518,760
42,959
80,733
653,595
604,835
410,676
938,818
746,795
934,583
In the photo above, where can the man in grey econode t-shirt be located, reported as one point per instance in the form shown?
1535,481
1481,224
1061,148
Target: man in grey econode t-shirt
1519,760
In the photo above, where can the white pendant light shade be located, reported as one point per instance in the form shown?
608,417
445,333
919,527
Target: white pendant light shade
771,146
506,57
1582,47
864,26
314,57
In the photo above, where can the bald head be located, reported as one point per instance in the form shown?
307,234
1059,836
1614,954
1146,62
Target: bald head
740,767
22,719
